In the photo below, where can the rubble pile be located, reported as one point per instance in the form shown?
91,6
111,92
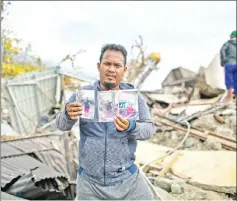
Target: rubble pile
212,128
202,115
171,189
188,175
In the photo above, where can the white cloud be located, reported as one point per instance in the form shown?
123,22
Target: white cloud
187,33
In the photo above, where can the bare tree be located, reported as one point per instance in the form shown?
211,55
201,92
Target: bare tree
136,65
4,10
72,58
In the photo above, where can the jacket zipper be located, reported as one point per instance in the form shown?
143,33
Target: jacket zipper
105,150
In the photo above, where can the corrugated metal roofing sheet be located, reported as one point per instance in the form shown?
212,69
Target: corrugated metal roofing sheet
36,143
31,145
30,95
7,150
47,189
6,196
48,150
54,160
17,166
36,166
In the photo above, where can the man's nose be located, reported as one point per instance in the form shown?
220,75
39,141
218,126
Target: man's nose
112,68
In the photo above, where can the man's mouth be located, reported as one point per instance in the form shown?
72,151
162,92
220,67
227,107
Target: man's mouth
111,76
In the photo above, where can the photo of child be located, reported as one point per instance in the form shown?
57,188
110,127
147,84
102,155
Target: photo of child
128,105
106,106
87,99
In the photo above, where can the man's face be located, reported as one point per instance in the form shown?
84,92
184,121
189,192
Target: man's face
111,69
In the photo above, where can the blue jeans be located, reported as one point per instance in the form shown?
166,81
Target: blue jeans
230,77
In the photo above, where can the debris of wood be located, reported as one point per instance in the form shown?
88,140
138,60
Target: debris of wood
219,118
226,142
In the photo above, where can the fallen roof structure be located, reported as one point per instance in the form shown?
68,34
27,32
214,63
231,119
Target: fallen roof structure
6,196
35,168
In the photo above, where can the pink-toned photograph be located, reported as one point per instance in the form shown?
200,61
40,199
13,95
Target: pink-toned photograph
106,106
128,105
87,99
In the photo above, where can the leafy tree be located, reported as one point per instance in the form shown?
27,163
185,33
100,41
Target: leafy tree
12,51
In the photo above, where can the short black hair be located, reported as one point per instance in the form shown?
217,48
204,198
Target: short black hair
115,47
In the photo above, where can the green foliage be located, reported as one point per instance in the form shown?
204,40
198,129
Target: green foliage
11,49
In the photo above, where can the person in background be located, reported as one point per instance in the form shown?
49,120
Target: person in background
228,61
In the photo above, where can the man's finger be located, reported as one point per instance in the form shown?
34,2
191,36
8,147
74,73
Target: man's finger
121,124
74,109
124,121
117,126
74,104
74,113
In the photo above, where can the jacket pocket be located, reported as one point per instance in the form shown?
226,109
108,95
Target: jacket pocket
92,157
117,156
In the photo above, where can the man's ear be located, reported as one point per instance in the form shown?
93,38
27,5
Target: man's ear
125,69
98,66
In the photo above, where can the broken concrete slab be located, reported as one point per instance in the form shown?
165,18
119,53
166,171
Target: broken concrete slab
212,144
190,192
163,183
176,188
147,152
164,195
191,141
225,131
190,109
210,170
206,122
228,112
163,98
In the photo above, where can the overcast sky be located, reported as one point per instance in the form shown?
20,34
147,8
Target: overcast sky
187,34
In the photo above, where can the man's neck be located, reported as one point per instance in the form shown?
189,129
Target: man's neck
103,88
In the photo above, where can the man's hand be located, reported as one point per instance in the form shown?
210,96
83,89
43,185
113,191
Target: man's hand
120,123
74,110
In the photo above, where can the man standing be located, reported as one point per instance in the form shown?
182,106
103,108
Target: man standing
107,150
228,60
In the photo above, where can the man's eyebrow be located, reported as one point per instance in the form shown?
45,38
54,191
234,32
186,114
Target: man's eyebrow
116,62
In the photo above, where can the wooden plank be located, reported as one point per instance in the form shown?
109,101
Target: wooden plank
155,172
201,135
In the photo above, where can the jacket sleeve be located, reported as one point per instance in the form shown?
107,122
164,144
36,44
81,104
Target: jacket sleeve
223,53
63,121
144,128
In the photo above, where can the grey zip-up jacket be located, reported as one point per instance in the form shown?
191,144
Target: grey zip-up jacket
106,155
228,52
